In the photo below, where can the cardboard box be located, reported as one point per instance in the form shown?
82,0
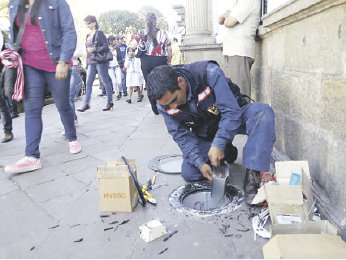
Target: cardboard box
309,227
117,189
290,204
305,246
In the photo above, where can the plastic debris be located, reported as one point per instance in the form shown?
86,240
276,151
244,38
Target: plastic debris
79,240
152,230
258,223
169,235
163,251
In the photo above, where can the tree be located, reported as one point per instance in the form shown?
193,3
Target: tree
160,22
3,8
119,21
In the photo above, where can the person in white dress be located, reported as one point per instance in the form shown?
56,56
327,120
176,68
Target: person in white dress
134,76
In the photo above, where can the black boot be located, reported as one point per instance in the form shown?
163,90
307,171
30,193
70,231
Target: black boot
251,184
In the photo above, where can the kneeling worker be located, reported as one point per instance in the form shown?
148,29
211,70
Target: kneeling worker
203,111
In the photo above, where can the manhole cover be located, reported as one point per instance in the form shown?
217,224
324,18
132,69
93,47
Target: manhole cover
195,199
169,164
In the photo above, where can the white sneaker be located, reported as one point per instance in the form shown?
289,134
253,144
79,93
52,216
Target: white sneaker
27,164
75,147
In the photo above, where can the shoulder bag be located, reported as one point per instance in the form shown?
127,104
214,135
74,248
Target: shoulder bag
12,61
101,57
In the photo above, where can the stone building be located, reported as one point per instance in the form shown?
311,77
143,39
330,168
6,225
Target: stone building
300,71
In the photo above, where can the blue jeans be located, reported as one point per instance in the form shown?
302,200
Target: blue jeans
102,70
35,82
6,118
123,82
258,124
75,85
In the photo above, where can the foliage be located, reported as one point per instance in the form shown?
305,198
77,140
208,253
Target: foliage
3,8
125,22
119,21
160,23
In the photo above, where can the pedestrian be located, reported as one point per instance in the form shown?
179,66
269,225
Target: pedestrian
123,48
240,23
115,66
5,112
48,43
134,76
177,56
156,49
76,80
96,42
203,111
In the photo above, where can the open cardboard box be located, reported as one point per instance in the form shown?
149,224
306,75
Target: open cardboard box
290,204
305,246
117,190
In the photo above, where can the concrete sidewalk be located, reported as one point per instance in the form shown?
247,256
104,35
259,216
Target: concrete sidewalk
43,212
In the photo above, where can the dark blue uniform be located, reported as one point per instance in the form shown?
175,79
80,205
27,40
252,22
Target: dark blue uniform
212,117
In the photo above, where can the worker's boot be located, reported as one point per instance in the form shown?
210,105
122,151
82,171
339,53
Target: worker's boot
231,153
251,184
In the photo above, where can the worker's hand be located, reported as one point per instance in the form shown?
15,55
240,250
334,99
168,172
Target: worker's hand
215,155
221,20
90,49
206,171
61,71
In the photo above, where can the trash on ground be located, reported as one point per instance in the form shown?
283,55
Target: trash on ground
290,204
117,190
54,227
76,225
258,223
163,251
152,230
292,207
104,216
79,240
106,229
32,248
122,223
114,222
170,234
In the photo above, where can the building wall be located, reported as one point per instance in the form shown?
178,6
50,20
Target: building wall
300,70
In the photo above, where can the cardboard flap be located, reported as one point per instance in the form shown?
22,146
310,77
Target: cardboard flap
117,162
309,227
305,246
276,194
285,168
120,171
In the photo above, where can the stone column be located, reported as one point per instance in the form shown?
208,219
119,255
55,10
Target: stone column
197,22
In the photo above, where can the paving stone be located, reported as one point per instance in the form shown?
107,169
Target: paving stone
7,186
17,224
54,189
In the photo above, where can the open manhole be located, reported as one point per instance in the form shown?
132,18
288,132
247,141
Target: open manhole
195,199
169,164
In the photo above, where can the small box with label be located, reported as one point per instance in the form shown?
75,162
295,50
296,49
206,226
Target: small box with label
117,190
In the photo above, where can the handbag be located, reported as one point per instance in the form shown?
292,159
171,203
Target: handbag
13,64
101,57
